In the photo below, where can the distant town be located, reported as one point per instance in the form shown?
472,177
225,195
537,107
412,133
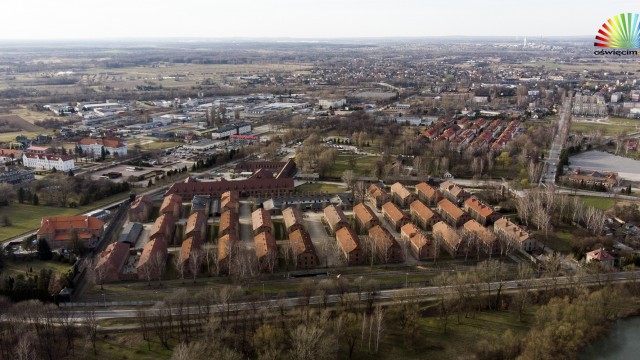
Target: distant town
392,199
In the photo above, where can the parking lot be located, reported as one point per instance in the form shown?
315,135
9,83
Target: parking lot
626,168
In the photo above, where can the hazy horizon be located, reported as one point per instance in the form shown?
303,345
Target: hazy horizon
38,20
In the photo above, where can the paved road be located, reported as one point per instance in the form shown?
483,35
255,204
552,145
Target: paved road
390,296
553,158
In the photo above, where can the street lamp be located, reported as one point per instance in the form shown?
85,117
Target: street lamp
104,299
406,280
263,290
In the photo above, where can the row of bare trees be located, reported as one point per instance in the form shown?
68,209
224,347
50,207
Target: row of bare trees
544,208
33,330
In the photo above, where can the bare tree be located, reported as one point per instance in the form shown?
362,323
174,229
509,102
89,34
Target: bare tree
91,328
195,260
348,178
378,320
181,266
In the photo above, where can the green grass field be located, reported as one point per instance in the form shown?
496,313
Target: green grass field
598,202
25,217
17,267
126,345
317,187
362,167
616,126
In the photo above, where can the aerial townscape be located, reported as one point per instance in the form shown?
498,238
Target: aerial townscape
311,197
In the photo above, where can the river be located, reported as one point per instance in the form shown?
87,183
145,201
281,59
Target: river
621,344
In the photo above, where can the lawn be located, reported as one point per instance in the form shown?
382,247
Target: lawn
561,241
26,217
598,202
363,165
319,187
125,345
148,144
17,267
457,343
613,128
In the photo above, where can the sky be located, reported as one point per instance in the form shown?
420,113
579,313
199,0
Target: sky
116,19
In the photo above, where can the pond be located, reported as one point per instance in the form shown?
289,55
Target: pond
621,344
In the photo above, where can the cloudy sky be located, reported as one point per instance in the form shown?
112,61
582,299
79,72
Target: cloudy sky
112,19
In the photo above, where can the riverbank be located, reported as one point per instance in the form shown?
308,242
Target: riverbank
620,344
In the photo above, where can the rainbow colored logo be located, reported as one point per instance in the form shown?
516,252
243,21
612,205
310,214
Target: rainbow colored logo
620,32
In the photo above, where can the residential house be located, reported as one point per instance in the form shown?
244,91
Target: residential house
385,245
487,240
293,219
401,196
523,240
394,216
334,218
111,261
172,204
261,220
480,211
376,195
365,217
304,253
601,256
141,208
452,214
422,215
450,238
428,194
60,231
349,243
